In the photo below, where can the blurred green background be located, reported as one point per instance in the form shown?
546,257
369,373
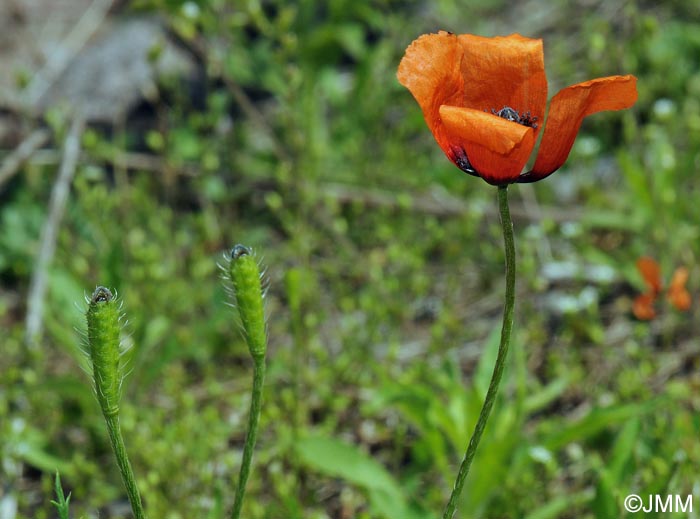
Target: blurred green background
284,128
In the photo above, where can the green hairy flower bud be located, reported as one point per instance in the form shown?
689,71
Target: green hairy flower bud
103,347
104,350
247,289
246,279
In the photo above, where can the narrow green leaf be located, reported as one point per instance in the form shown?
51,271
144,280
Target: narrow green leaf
604,504
623,450
339,459
558,506
62,502
596,421
545,395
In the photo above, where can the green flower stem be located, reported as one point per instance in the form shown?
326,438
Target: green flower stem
507,225
132,491
251,436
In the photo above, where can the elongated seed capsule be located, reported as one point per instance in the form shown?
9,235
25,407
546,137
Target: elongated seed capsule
245,276
103,347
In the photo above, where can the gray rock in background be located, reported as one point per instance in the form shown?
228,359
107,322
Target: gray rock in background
115,72
80,54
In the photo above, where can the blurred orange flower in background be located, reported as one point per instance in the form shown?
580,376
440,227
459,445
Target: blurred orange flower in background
484,100
676,294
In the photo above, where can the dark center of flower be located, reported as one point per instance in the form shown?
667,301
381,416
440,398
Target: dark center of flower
510,114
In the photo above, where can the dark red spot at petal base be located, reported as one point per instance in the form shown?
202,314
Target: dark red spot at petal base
463,162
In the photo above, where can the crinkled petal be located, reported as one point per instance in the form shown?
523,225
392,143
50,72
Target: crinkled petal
496,149
430,70
503,71
566,112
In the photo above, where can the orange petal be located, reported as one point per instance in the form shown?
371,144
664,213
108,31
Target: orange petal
430,70
677,293
679,278
503,71
566,112
496,148
680,299
651,273
643,307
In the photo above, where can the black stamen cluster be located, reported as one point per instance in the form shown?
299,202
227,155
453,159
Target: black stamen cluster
510,114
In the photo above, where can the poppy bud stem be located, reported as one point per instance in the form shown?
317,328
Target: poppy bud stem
246,279
507,225
105,353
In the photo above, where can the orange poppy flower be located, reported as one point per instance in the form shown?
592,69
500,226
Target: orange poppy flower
677,294
484,100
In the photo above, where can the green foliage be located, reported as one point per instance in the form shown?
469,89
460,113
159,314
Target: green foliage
62,504
386,269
